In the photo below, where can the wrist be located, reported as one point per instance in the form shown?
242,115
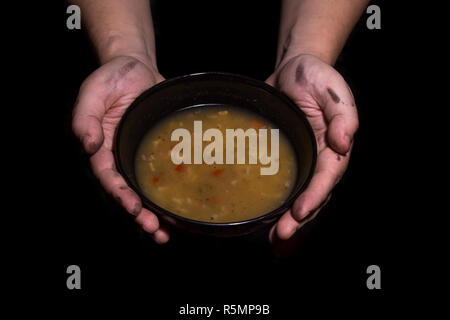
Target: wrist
293,50
116,45
294,43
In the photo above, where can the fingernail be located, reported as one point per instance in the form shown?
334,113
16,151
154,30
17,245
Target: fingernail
289,234
85,141
87,144
272,232
293,230
347,139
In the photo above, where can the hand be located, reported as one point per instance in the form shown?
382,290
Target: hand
103,98
327,101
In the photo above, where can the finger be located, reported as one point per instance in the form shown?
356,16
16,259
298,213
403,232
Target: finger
286,230
338,106
329,170
287,226
272,233
87,117
103,167
102,163
148,221
286,247
161,235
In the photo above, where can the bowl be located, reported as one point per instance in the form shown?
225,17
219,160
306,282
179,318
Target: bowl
214,88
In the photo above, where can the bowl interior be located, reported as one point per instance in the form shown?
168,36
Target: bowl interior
214,88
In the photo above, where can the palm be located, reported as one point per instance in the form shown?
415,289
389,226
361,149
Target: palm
313,113
131,79
324,97
104,97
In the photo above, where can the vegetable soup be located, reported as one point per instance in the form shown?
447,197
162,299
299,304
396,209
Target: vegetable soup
220,191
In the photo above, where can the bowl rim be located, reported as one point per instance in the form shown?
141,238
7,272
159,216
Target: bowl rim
239,78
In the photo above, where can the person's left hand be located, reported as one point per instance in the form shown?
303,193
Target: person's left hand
327,101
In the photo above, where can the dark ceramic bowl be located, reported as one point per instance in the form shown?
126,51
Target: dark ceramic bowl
215,88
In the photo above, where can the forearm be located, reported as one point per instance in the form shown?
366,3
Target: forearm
316,27
119,28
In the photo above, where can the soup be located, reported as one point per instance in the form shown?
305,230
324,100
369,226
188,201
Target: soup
216,192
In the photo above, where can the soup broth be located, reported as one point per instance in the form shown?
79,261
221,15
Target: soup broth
212,192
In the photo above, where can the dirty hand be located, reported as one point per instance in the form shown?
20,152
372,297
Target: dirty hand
102,100
327,101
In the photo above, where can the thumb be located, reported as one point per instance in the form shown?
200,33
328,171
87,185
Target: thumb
87,119
340,134
341,114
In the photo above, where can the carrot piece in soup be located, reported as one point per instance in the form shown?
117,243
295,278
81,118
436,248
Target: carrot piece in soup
215,199
180,168
218,172
155,180
256,124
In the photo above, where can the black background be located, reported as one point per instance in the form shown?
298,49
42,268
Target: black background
79,224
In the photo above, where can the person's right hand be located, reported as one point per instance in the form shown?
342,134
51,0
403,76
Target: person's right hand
102,100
